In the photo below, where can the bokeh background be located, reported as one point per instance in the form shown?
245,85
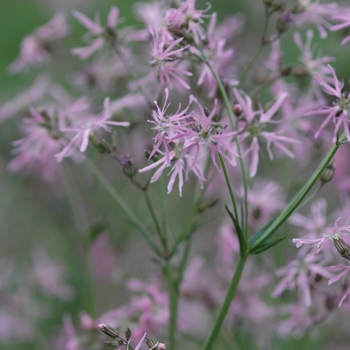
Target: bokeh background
35,215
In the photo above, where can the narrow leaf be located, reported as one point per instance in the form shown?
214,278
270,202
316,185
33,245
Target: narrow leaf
266,245
239,231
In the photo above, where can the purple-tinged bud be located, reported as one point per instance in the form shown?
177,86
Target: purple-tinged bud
342,247
328,174
283,22
331,301
128,333
237,109
105,328
129,169
161,346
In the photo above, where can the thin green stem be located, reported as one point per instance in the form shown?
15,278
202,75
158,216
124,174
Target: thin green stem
161,186
118,198
231,292
297,199
155,221
258,51
228,183
173,303
240,157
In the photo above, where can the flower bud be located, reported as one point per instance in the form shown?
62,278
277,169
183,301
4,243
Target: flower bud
114,342
129,169
105,328
328,174
342,247
128,333
237,109
150,343
161,346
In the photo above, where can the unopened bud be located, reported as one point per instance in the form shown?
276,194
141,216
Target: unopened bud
114,342
331,302
105,328
328,174
161,346
86,321
129,169
150,343
300,72
342,247
283,22
286,71
128,333
237,109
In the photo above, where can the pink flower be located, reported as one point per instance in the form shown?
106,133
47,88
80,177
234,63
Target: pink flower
186,18
314,12
35,152
253,126
344,18
35,48
25,99
300,274
316,67
340,235
98,36
342,274
85,127
163,57
338,113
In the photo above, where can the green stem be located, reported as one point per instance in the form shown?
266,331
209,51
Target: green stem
297,199
240,157
155,220
161,191
173,301
231,292
258,51
228,183
134,219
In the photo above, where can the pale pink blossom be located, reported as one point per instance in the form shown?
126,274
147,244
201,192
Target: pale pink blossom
85,127
25,99
253,125
98,35
344,18
317,13
338,113
339,234
345,269
164,56
316,67
35,48
301,274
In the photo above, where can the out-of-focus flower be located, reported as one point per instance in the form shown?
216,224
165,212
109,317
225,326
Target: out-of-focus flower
35,48
339,112
316,67
84,128
147,310
301,274
317,13
98,35
345,269
163,55
344,18
25,99
340,235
